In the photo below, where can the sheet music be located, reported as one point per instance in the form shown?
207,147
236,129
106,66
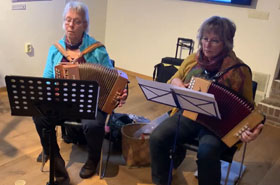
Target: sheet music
157,91
199,102
188,99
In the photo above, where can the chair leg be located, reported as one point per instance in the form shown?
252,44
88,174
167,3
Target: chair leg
228,171
43,161
102,174
43,153
241,165
107,159
101,164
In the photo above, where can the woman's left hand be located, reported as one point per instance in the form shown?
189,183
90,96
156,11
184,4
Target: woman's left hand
122,98
248,135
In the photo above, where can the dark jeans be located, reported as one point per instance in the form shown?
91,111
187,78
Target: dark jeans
93,131
208,156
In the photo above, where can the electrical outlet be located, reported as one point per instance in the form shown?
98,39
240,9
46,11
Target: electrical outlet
28,48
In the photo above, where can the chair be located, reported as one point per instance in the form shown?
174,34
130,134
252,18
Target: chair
184,43
229,153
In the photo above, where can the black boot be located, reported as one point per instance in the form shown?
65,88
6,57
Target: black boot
89,168
60,172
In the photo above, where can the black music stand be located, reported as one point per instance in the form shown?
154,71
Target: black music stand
56,99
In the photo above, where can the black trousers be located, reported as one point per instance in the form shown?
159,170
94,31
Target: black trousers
208,156
92,129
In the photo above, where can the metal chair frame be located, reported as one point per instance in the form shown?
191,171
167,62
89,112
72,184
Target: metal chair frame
184,43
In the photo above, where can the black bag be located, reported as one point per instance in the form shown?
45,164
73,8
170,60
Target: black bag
118,120
166,69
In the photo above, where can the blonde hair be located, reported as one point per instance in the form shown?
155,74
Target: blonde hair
221,26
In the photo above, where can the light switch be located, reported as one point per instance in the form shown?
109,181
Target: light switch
28,48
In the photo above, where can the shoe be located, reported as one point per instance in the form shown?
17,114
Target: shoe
89,169
40,157
60,172
62,181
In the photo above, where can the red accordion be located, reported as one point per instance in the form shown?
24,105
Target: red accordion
111,81
237,113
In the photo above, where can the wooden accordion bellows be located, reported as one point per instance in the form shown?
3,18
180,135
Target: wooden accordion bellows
111,81
237,113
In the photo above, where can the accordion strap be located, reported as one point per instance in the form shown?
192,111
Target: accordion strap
87,50
222,73
63,51
91,48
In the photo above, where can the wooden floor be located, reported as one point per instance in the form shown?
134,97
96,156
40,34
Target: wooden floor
19,147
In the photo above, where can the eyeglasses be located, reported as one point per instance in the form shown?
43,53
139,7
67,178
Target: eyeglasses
68,21
213,42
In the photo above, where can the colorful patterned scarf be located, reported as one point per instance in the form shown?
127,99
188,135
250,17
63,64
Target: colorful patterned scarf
210,65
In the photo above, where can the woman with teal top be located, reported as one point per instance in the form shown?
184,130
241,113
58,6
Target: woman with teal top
215,54
75,41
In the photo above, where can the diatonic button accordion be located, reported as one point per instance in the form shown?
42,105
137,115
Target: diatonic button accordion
237,114
111,81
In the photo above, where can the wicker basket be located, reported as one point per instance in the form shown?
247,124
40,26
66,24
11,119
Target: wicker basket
135,151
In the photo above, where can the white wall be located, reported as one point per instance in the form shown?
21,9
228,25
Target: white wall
141,32
41,25
137,33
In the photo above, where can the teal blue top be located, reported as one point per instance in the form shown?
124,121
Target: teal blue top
99,56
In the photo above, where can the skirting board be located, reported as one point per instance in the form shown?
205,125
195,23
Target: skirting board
2,89
135,74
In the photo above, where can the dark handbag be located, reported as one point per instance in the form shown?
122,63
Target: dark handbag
166,69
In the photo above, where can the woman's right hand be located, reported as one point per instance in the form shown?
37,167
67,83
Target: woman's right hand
178,82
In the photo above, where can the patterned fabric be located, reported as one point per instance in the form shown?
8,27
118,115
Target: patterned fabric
210,65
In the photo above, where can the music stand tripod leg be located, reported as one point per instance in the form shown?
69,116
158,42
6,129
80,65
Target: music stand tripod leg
52,140
172,151
175,137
